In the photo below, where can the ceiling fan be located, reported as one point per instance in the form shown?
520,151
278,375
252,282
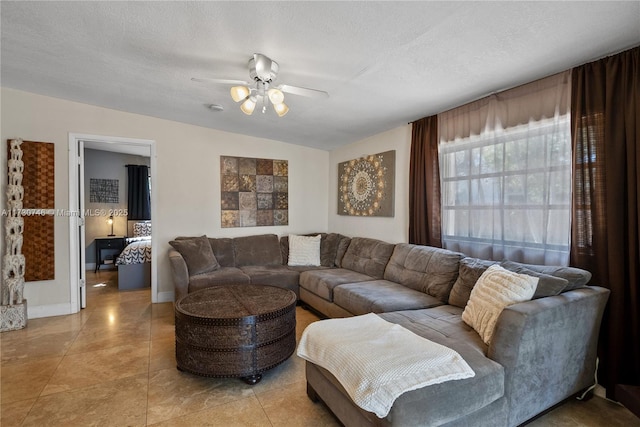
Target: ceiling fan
263,72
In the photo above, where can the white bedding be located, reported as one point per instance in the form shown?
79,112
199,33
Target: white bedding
376,361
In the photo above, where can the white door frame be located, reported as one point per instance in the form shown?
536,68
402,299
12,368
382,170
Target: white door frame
76,216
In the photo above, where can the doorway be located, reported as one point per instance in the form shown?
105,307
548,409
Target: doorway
80,259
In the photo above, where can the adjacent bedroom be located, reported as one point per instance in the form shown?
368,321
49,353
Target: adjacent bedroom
117,212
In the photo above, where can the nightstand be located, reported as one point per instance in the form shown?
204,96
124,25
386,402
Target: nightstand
107,250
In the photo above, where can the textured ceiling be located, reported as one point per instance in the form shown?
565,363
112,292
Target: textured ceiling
383,63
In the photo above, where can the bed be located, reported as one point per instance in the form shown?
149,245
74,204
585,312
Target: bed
134,262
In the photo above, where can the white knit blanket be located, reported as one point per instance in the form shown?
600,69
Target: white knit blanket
376,361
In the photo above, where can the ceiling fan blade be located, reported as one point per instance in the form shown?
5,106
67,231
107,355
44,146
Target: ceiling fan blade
303,91
221,81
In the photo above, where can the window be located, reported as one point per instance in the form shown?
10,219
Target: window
506,193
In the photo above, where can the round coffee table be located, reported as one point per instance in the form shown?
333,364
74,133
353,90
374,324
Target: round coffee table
235,330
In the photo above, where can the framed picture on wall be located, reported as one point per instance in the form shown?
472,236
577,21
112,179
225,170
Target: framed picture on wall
254,192
366,186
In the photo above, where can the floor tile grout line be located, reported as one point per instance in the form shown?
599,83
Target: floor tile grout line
255,394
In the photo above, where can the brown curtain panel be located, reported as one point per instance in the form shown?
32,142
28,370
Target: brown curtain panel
424,184
605,235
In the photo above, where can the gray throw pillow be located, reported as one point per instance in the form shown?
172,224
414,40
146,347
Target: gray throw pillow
547,285
469,272
197,254
343,245
576,277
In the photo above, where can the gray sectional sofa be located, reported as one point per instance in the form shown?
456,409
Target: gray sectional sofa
542,352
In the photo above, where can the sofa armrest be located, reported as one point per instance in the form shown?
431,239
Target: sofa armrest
548,349
179,273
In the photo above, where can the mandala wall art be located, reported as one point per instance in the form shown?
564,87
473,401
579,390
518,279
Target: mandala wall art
366,186
254,192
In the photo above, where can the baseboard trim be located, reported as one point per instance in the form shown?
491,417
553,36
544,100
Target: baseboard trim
166,296
48,310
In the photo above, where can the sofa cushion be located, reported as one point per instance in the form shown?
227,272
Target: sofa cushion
304,250
223,250
263,249
547,285
367,256
576,277
380,296
450,400
275,275
470,270
343,245
442,324
322,282
329,249
301,268
424,268
222,276
496,289
197,254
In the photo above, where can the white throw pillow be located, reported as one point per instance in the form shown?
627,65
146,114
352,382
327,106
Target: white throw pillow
304,250
496,289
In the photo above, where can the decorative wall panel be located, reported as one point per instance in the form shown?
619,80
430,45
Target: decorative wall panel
38,177
366,186
38,248
38,204
254,192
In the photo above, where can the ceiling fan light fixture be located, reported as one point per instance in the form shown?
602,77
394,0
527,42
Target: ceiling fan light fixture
262,86
238,93
276,96
248,106
281,109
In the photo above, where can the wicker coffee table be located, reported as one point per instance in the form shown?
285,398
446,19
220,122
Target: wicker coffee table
235,330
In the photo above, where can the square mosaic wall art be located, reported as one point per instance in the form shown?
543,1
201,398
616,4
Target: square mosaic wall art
366,186
254,192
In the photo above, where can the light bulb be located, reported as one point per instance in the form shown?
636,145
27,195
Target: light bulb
248,106
276,96
238,93
281,109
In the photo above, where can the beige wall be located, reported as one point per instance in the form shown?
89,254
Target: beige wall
187,185
394,229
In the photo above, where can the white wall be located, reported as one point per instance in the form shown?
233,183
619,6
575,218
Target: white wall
100,164
187,185
396,228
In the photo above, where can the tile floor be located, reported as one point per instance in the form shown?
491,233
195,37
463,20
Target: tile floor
113,364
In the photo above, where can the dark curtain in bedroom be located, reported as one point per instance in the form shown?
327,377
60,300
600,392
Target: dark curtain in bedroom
139,199
605,127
